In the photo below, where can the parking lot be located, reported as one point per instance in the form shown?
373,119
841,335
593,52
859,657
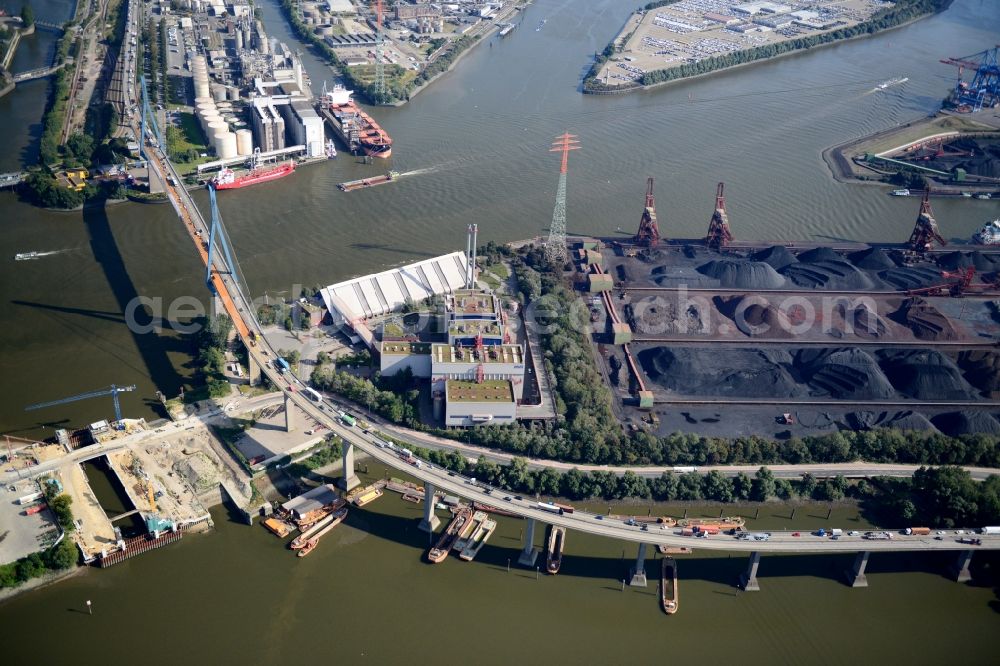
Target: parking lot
21,535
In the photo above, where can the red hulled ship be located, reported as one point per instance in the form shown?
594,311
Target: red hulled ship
354,127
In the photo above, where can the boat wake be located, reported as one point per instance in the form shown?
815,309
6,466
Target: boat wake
29,256
888,84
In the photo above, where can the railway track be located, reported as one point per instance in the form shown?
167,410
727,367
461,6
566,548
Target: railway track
780,403
848,342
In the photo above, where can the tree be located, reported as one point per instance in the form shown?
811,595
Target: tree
571,484
664,487
689,487
27,15
62,556
715,486
807,485
762,487
631,484
60,506
742,486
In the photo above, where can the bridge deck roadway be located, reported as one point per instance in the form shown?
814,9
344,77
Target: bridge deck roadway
236,304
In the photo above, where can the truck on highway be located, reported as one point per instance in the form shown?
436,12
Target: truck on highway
282,364
990,530
923,531
550,507
685,469
348,420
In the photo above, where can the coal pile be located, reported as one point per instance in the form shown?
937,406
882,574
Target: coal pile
862,321
982,369
818,254
837,275
926,321
755,319
967,422
903,420
843,374
777,257
983,263
722,372
911,277
872,259
924,374
749,275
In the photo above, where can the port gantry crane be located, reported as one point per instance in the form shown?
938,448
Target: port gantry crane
379,52
984,89
649,232
925,231
113,391
719,233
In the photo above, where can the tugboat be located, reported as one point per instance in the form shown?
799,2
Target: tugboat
668,585
988,234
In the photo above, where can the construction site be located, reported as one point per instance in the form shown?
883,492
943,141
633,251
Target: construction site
779,339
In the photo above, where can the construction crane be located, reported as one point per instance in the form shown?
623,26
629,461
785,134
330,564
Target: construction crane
113,391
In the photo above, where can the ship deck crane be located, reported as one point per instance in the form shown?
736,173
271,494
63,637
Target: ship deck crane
113,391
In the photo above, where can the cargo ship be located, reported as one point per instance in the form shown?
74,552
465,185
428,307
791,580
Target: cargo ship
440,550
228,180
668,585
988,234
470,527
554,550
310,545
478,540
352,185
354,127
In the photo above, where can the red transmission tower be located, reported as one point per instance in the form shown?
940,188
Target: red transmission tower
925,231
649,232
719,234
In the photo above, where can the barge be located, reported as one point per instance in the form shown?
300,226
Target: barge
554,549
440,550
668,585
479,538
361,183
310,545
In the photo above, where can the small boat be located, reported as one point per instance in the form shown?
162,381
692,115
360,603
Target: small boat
311,544
984,195
25,256
988,234
278,528
892,82
900,193
668,585
507,29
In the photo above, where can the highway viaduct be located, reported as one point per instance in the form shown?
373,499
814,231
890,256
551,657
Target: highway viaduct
241,310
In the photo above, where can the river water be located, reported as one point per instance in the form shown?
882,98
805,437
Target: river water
474,149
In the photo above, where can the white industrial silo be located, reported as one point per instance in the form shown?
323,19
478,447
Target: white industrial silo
244,142
226,146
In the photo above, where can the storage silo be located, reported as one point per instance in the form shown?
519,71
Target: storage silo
225,146
234,93
202,100
244,142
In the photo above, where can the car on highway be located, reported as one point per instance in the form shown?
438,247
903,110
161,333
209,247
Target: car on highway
795,534
518,497
599,517
507,498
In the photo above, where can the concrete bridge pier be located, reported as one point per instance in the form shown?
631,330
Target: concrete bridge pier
856,574
637,576
350,479
430,521
748,579
253,370
960,570
289,415
529,553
